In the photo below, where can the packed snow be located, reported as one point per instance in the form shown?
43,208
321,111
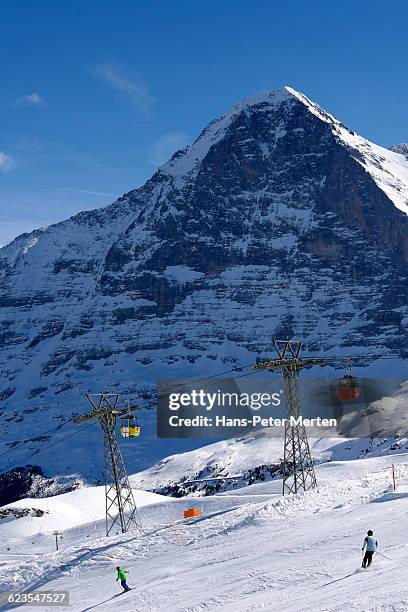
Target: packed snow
236,458
64,511
250,550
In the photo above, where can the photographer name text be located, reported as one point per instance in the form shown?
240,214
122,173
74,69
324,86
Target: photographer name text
255,421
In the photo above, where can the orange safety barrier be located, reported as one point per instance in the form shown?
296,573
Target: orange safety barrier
191,512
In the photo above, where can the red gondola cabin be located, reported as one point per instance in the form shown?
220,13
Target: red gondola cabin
348,388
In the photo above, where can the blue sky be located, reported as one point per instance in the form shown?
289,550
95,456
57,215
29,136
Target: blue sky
94,95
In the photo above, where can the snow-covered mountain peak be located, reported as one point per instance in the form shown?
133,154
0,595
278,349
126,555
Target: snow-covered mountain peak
275,110
313,107
184,161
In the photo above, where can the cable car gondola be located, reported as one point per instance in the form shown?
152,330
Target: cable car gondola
348,386
129,427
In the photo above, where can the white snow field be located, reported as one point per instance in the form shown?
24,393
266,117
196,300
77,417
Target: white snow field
63,511
250,550
234,457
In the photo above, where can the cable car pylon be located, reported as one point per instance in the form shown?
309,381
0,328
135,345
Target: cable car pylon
298,470
121,509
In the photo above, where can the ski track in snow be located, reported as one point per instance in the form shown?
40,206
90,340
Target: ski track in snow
251,552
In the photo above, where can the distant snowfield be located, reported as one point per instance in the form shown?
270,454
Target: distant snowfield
234,457
251,550
64,511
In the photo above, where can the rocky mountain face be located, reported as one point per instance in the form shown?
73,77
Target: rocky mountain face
277,222
400,148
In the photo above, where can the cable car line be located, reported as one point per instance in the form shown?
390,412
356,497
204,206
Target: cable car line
134,433
40,450
44,433
17,447
135,428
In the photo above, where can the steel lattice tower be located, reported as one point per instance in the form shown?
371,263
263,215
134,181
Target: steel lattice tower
121,510
298,470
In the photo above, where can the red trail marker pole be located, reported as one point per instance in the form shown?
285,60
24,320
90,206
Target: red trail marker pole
394,486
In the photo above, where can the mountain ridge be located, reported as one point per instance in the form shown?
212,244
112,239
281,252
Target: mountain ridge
279,96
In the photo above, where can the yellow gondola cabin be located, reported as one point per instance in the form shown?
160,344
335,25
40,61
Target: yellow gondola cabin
129,427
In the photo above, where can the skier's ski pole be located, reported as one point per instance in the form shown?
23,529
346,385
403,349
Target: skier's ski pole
385,556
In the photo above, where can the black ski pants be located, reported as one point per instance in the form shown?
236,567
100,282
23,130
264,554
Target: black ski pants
368,557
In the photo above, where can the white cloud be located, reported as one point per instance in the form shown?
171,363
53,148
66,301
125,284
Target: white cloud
89,192
7,162
129,84
33,99
167,145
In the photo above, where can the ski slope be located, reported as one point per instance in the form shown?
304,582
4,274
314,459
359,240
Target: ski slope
237,456
251,549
